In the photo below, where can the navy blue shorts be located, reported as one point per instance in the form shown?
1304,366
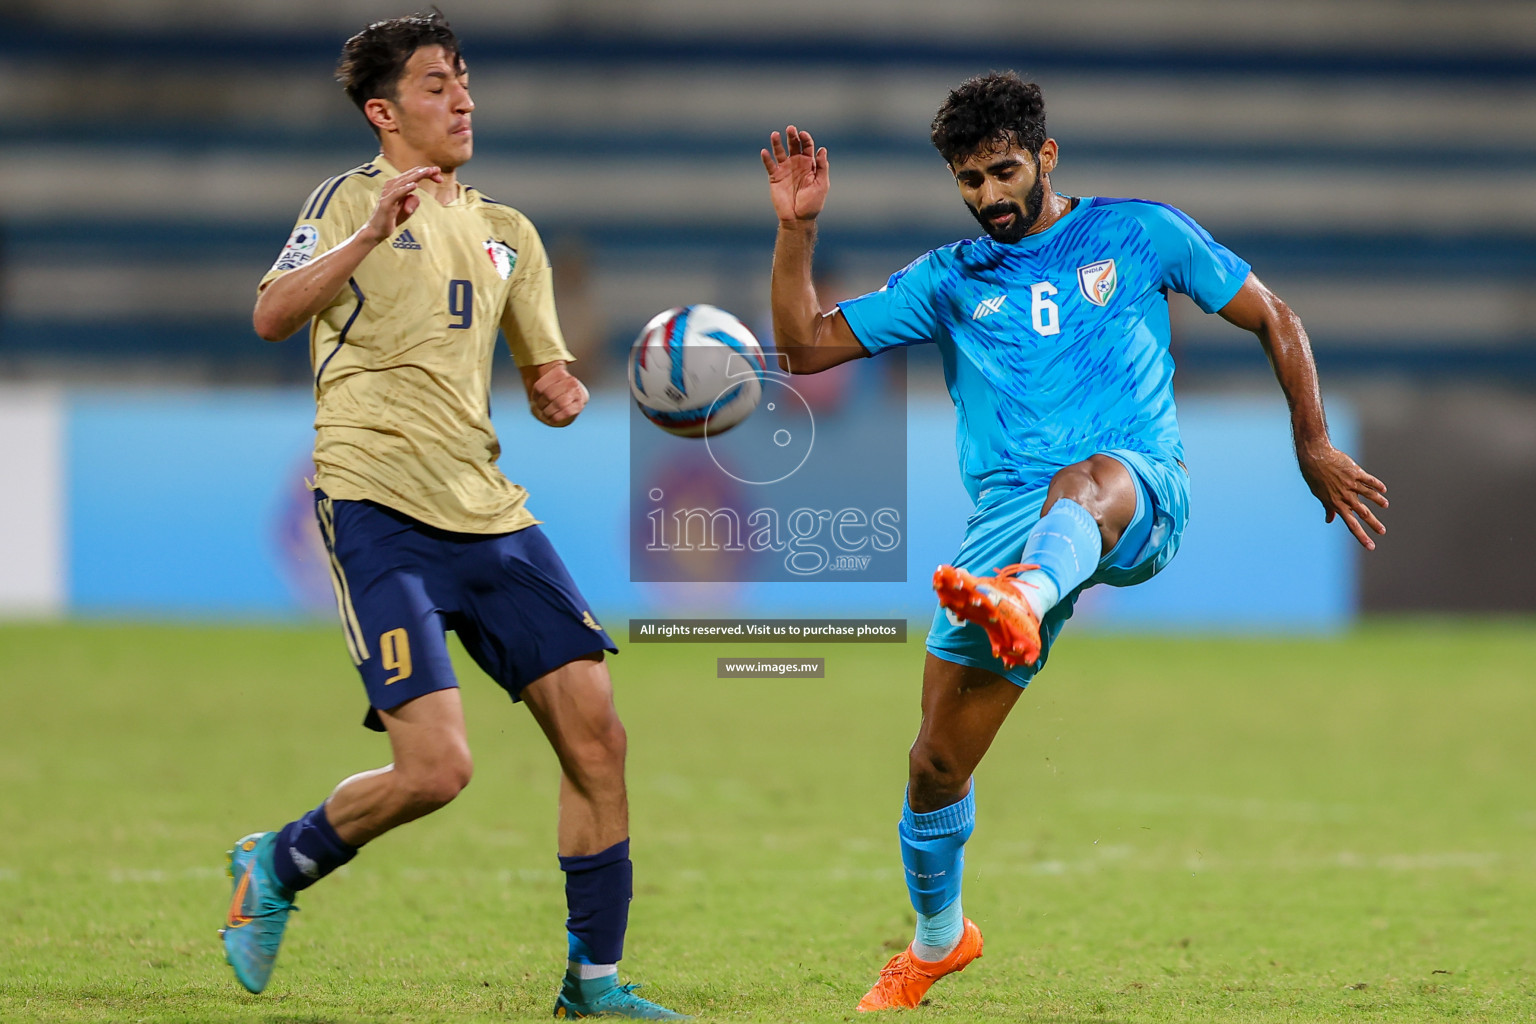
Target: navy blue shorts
401,584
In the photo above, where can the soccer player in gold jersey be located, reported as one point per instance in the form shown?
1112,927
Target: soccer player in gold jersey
405,275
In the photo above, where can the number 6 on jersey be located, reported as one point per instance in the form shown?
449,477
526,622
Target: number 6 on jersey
1043,312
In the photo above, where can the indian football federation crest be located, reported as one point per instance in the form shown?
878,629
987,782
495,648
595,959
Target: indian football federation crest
502,255
1097,281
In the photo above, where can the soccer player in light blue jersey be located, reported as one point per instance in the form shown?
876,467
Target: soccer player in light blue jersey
1053,328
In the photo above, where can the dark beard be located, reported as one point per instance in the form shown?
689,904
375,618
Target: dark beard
1023,219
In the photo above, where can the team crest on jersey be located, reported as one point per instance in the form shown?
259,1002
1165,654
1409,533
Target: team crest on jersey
502,255
1097,281
300,248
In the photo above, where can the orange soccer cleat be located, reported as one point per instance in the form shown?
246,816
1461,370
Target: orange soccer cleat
906,979
997,605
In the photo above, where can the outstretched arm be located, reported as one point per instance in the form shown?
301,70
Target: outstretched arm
809,339
1334,478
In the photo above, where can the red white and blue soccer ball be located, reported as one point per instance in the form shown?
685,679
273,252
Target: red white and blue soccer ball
696,371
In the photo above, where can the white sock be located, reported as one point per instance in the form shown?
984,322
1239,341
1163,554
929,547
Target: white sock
586,972
1041,597
938,934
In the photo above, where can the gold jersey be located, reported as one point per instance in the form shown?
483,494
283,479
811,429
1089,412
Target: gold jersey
402,357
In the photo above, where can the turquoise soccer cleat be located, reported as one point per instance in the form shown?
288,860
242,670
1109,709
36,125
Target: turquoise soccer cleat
258,911
605,997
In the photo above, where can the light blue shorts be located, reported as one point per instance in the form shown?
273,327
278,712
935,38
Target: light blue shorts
995,535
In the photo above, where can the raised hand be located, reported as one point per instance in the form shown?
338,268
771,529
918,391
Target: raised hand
797,175
396,202
1343,488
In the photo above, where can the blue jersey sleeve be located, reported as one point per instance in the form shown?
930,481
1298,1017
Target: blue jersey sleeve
904,312
1193,262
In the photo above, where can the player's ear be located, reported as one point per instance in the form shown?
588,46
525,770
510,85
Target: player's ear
381,114
1048,155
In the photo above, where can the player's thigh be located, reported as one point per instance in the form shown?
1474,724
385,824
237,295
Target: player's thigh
573,705
519,613
381,568
1156,529
427,737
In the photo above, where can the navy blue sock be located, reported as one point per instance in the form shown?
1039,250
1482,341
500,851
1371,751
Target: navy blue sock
598,888
307,850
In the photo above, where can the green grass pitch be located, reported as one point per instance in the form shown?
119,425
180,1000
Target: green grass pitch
1169,830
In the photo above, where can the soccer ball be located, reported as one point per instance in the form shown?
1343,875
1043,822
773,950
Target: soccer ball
696,371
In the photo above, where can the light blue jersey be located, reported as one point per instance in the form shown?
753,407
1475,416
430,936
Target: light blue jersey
1055,347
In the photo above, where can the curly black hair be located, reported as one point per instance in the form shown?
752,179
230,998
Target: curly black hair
989,111
373,60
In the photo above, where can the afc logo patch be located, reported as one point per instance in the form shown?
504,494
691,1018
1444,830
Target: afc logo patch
1097,281
299,249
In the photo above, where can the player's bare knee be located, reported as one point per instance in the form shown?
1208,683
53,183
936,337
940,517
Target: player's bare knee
1092,485
1075,482
597,759
615,739
603,735
435,785
437,790
929,771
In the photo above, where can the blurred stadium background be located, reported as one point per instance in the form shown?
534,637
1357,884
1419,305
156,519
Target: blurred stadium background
1375,161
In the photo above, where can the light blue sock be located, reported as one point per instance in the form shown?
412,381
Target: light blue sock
1066,544
933,852
937,935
